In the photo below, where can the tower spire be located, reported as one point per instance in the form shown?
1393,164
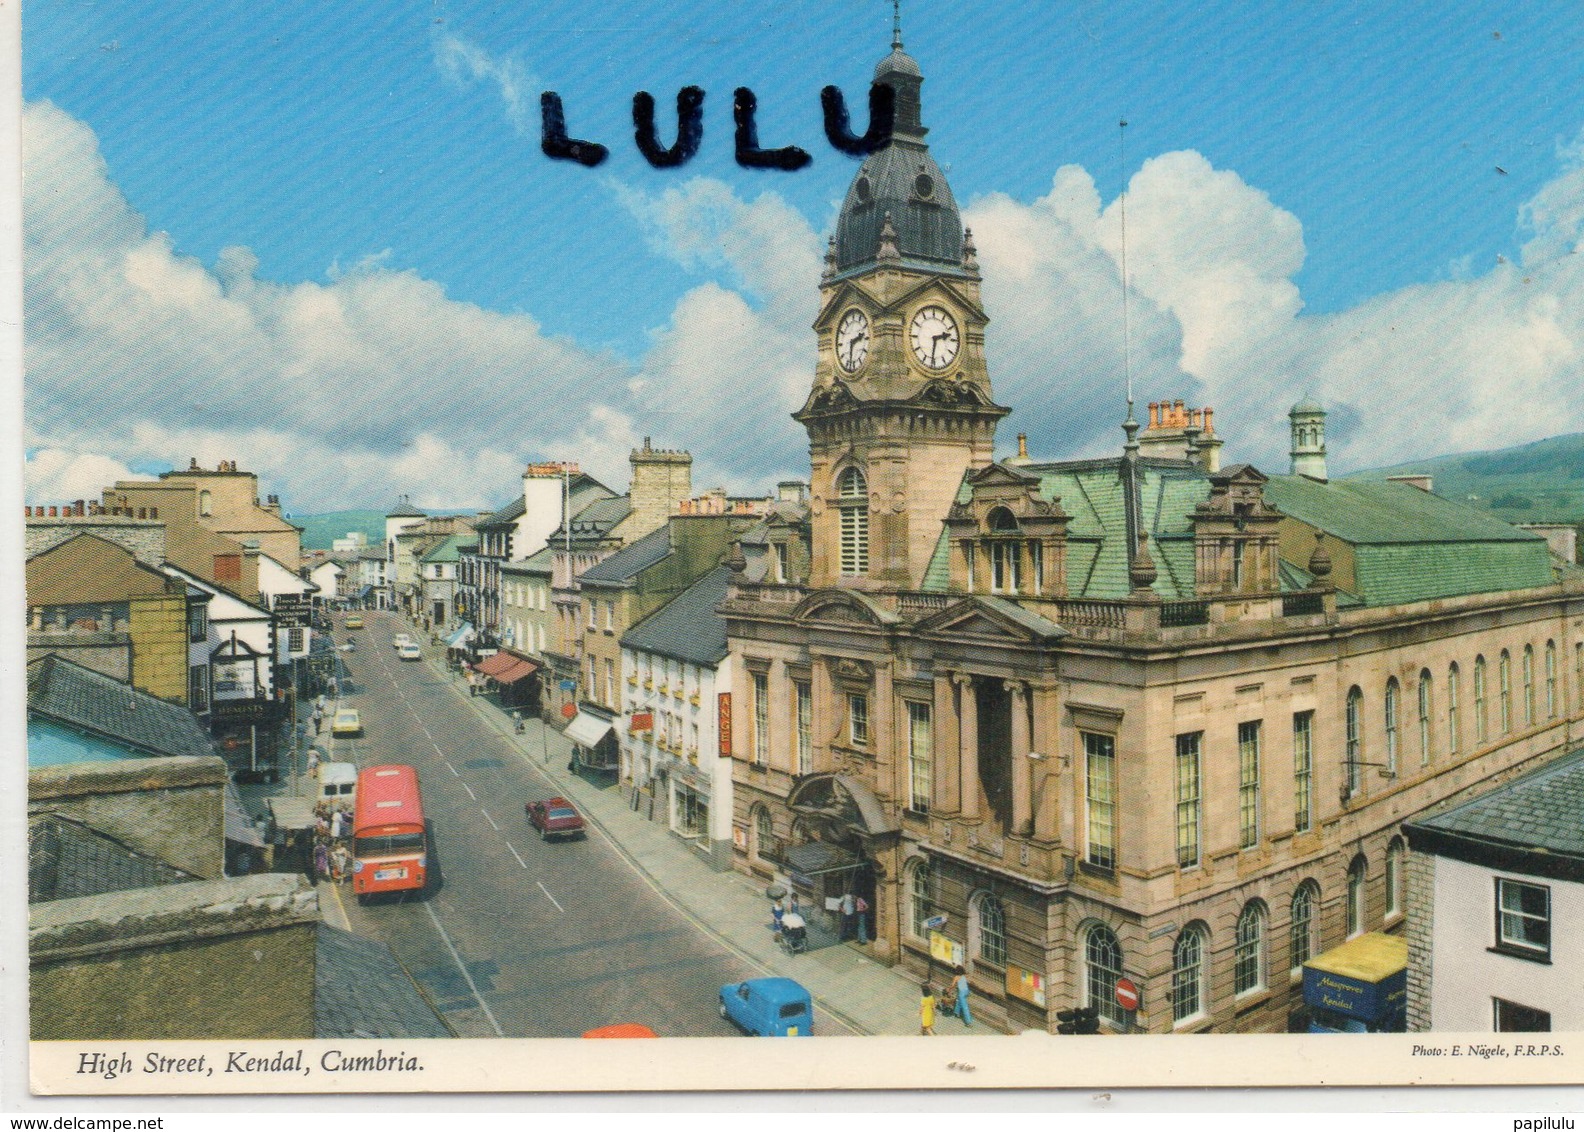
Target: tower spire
896,25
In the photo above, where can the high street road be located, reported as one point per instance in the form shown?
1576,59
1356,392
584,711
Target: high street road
514,936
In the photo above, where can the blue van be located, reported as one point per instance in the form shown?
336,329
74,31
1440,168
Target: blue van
769,1008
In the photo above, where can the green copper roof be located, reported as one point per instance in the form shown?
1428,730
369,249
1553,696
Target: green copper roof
1412,545
446,549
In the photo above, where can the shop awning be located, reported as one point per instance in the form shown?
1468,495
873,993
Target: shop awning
462,635
587,730
815,858
505,667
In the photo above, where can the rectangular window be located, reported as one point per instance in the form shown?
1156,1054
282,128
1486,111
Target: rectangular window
198,688
610,683
805,726
1004,573
780,549
855,539
1424,720
761,718
1452,710
1523,919
858,719
1512,1018
1303,771
1188,803
1248,784
197,623
1037,566
610,616
1100,798
921,772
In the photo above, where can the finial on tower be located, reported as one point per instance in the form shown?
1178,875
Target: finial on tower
830,258
888,241
896,25
970,252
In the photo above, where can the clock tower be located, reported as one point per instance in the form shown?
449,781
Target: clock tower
901,405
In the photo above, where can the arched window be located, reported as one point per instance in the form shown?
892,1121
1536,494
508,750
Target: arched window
1188,974
991,920
1424,717
1006,552
764,833
1357,909
919,906
205,502
1248,960
1504,690
1453,679
1305,923
1394,877
1102,969
1481,724
1355,741
1550,677
852,500
1528,686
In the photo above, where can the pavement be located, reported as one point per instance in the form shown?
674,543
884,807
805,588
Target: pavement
864,996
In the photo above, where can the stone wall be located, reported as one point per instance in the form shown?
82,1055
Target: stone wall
1421,933
159,647
145,538
171,808
231,959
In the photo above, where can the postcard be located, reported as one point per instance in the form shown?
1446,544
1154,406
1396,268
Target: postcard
1001,538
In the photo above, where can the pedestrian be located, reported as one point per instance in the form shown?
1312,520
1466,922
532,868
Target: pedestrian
319,704
313,762
339,860
335,689
861,907
318,720
777,911
321,860
849,909
926,1010
960,988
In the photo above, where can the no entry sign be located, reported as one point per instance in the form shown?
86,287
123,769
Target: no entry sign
1127,995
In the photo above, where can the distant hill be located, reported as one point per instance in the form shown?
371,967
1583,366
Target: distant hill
1541,482
319,531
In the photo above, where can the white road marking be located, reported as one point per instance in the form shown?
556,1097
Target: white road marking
489,819
449,767
516,854
484,1006
441,753
469,789
552,899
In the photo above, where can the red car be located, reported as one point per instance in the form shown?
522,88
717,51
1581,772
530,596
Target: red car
555,817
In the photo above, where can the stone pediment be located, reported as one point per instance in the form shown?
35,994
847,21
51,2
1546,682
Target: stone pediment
950,394
841,607
846,294
990,618
948,289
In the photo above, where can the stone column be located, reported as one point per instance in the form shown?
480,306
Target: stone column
1046,781
947,752
968,745
1020,752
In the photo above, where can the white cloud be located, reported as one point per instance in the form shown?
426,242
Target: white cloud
463,62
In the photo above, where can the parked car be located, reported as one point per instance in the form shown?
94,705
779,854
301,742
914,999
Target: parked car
400,640
346,722
769,1008
354,621
409,651
555,817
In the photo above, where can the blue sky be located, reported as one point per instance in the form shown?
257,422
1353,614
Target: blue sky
323,241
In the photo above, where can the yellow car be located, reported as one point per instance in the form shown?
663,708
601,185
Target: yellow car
346,722
354,621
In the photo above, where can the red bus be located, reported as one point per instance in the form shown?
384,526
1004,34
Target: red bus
390,849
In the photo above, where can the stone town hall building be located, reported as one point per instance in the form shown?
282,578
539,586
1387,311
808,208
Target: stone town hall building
1144,716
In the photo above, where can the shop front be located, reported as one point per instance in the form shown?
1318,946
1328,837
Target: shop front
596,753
514,677
840,829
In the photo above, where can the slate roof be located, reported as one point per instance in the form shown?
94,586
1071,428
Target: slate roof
74,696
67,859
541,561
361,990
404,510
632,559
687,628
596,520
447,549
505,515
1534,823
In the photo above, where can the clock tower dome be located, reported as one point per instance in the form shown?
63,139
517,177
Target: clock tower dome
901,406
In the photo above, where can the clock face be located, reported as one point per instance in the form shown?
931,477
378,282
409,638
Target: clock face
933,335
852,340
